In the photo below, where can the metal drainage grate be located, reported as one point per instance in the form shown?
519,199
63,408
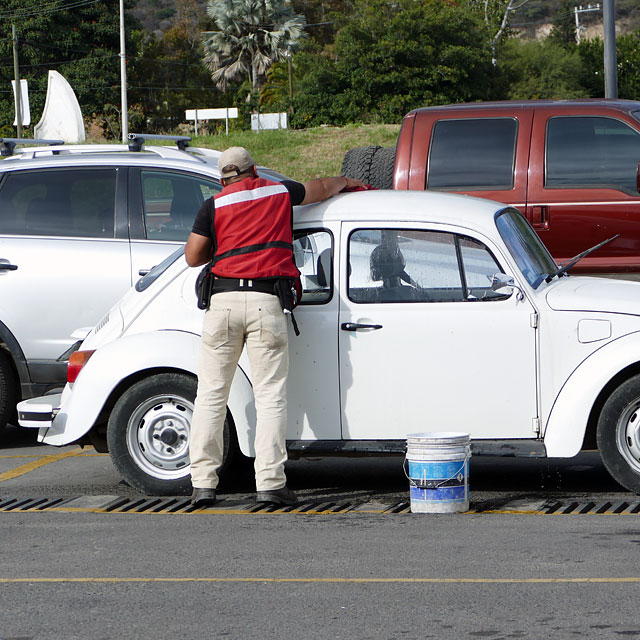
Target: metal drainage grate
111,504
600,508
116,504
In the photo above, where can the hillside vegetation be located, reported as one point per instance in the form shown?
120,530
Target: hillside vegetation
305,154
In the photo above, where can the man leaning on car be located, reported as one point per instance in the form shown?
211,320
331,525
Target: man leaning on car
250,238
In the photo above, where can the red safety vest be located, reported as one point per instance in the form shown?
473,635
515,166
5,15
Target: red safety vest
253,235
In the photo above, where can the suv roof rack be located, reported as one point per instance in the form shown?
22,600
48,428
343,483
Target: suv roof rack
7,145
137,140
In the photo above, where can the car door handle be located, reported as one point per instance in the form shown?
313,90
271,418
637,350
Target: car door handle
5,266
356,326
143,272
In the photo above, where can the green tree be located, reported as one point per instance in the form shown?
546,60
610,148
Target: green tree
541,69
81,42
563,31
389,58
169,74
251,36
628,57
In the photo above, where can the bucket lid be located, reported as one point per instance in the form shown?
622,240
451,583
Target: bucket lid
441,437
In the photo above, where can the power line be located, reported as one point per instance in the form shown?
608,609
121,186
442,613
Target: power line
54,7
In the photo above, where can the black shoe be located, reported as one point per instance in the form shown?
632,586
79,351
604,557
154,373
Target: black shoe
203,497
277,496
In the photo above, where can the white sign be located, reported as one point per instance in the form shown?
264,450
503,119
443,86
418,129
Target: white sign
24,103
268,121
211,114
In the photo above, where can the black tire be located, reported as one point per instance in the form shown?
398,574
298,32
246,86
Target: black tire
618,434
148,434
8,391
357,163
381,174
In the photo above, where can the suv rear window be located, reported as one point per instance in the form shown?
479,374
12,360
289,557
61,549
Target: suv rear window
474,154
70,202
591,152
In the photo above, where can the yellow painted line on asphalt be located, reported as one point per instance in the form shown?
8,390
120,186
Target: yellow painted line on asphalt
36,464
628,580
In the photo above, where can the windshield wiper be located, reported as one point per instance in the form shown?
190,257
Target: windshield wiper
565,267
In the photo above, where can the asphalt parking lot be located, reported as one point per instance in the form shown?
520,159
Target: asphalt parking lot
41,476
84,556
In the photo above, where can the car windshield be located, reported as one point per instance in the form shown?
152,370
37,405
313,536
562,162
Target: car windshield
531,256
158,270
636,115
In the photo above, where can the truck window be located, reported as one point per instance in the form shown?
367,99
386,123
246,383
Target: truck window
591,152
474,154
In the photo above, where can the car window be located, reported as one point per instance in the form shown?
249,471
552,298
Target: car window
68,202
171,201
146,281
591,152
404,265
524,244
313,254
474,154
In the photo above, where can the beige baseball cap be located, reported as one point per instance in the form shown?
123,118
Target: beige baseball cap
233,161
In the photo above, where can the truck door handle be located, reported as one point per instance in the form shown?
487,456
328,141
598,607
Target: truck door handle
356,326
5,266
540,217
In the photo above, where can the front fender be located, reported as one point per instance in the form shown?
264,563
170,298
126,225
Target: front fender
115,362
567,423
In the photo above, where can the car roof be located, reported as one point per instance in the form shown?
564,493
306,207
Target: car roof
198,159
586,103
403,206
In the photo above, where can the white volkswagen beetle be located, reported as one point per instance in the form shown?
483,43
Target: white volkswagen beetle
421,312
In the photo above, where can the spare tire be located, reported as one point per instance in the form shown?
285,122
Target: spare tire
357,163
381,174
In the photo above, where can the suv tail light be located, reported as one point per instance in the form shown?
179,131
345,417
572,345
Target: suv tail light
77,360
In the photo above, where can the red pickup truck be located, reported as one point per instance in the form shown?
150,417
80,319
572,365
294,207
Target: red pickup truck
571,167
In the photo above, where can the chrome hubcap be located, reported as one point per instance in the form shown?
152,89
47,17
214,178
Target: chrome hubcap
158,436
628,435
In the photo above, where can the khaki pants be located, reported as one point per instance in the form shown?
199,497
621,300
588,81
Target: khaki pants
234,319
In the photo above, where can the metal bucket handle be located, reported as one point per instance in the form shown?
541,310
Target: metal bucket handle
434,484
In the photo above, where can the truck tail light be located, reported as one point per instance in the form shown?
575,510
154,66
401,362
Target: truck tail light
77,360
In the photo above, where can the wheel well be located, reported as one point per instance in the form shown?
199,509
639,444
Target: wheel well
592,424
123,385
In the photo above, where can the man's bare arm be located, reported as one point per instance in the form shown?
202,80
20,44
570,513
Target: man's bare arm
198,250
323,188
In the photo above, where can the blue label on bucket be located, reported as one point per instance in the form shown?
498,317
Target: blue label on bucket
453,472
447,494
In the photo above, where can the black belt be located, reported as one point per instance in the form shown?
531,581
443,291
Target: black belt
264,285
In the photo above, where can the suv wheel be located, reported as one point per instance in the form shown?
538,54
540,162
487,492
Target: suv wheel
618,434
8,391
148,434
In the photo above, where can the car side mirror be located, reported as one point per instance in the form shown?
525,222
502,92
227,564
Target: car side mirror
502,280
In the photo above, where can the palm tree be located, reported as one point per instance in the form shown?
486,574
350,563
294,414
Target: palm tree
252,35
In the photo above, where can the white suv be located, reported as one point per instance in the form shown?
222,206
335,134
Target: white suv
78,226
421,312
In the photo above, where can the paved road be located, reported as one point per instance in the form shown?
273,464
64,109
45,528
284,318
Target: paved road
234,574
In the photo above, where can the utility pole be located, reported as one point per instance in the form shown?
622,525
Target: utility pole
579,27
123,79
610,58
16,73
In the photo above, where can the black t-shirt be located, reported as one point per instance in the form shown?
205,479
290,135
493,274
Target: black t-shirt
202,223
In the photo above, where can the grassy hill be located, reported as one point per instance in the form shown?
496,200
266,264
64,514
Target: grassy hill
305,154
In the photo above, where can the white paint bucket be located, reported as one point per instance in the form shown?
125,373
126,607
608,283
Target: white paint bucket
438,471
